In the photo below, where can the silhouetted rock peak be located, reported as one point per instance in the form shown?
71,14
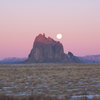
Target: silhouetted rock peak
41,38
72,58
45,50
70,54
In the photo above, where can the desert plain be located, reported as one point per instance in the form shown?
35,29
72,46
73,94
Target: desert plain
55,80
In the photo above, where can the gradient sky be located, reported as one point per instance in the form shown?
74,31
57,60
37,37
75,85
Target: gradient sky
22,20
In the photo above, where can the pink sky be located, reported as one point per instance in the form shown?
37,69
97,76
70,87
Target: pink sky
22,20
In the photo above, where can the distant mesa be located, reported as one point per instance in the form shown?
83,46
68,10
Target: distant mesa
47,50
13,60
91,59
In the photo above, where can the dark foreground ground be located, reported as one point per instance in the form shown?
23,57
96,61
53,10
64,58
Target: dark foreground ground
3,97
61,81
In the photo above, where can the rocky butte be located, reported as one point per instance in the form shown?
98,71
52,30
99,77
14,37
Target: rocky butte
47,50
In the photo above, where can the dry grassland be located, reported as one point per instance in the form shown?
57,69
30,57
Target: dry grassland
60,80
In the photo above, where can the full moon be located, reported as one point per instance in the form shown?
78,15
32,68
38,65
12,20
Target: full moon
59,36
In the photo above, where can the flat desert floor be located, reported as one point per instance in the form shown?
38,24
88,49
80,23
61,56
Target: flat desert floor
50,79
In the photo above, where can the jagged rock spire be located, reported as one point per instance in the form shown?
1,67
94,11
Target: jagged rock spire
46,50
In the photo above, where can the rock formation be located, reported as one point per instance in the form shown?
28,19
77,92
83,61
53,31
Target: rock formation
72,58
46,50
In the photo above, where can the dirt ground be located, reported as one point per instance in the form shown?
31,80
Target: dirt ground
50,79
